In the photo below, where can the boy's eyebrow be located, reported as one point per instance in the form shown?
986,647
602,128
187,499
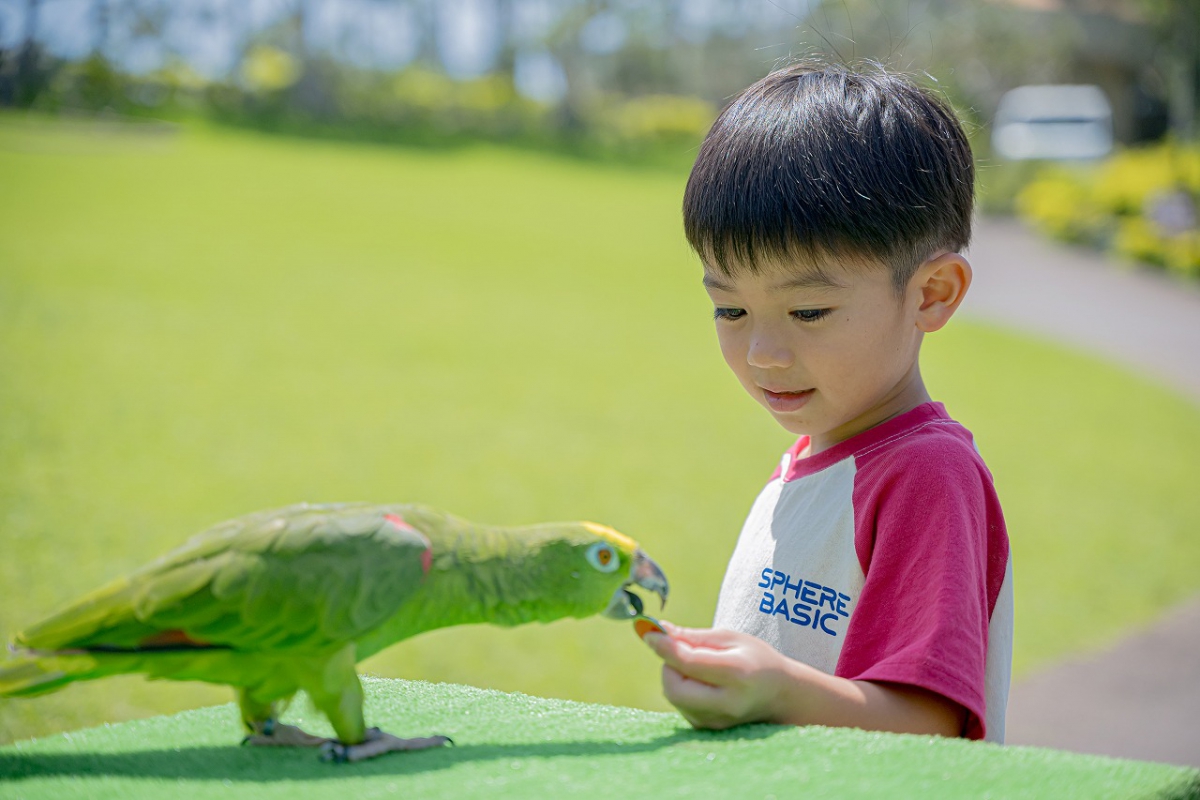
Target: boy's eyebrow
712,282
813,279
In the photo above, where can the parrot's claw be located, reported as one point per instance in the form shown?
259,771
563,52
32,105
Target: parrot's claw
376,744
275,734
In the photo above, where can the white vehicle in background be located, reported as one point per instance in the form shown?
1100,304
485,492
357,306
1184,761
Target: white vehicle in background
1053,122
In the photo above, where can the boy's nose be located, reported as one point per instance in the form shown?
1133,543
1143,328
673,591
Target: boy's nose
768,352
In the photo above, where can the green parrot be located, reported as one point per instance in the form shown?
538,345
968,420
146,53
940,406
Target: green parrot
293,598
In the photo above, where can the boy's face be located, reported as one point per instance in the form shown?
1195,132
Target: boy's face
830,349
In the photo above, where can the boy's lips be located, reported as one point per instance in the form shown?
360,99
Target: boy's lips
784,402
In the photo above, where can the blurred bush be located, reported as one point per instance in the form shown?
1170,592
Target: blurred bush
998,183
416,105
659,119
88,85
273,90
1140,204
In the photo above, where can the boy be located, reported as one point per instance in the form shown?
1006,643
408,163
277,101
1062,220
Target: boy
870,586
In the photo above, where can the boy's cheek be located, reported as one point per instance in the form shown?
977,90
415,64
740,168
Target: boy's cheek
733,353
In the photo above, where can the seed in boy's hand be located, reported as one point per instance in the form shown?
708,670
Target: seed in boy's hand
643,625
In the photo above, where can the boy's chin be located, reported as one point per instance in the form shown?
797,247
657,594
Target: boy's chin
794,425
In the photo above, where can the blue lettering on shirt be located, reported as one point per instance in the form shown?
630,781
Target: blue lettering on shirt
813,600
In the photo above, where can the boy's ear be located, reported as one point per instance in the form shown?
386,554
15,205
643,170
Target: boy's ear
942,282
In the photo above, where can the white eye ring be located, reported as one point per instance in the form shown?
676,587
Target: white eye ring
603,557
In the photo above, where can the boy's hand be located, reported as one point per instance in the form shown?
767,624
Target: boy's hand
718,678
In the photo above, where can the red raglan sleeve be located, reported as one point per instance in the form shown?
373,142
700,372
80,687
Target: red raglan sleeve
927,536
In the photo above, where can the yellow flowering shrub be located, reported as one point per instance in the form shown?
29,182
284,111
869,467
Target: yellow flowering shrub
1140,203
1059,204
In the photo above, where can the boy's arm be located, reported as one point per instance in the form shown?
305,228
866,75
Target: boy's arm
719,678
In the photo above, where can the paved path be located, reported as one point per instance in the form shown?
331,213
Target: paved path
1141,697
1145,320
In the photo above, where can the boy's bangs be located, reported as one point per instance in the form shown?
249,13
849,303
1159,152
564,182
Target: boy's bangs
732,242
733,256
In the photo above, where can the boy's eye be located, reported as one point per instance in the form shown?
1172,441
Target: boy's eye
728,313
810,314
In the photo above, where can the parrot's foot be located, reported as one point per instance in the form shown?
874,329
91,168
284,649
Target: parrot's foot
376,744
270,733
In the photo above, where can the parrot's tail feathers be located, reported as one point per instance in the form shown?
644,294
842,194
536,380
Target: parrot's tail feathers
31,674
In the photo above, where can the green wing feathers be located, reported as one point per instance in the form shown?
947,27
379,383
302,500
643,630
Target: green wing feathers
308,577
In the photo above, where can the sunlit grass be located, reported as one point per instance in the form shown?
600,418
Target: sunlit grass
197,326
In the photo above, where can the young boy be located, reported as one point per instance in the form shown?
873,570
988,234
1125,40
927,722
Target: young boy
870,586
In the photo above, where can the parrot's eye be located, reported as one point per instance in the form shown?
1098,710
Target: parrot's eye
603,557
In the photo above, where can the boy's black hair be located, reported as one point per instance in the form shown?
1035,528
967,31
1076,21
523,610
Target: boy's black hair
817,161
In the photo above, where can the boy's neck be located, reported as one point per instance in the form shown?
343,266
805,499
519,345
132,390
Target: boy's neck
907,395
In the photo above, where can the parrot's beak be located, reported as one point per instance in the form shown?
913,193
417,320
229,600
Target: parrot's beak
645,573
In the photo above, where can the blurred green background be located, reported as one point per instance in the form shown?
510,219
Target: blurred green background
206,322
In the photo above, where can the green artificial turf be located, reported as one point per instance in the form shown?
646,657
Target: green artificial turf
512,745
199,324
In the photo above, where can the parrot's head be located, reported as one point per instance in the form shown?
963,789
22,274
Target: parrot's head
602,568
543,572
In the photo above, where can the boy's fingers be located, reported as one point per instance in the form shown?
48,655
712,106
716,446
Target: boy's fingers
658,642
665,647
685,692
701,663
702,705
672,651
670,627
714,638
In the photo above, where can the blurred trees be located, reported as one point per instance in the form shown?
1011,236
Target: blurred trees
1176,28
27,77
629,77
570,67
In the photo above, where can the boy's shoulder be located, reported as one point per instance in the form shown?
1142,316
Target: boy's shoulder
929,467
926,435
926,450
925,441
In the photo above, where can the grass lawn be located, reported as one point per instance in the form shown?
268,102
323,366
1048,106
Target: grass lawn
198,325
517,746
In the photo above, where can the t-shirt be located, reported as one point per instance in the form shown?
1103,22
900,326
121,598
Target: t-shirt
884,558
